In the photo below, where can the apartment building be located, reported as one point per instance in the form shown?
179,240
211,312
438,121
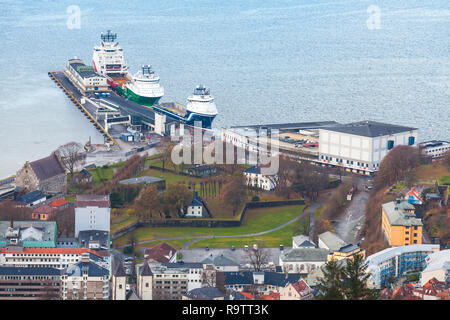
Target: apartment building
22,283
85,280
400,225
59,258
393,263
92,212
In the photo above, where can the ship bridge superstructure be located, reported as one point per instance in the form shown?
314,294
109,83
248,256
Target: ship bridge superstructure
108,57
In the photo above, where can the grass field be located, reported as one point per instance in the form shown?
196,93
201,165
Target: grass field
427,174
256,220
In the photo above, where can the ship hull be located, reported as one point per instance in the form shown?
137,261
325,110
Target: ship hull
130,95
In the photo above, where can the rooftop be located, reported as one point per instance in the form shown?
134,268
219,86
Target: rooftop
92,269
83,70
48,167
92,200
205,293
392,252
398,215
369,128
332,240
31,197
438,260
305,254
219,260
86,236
144,179
30,230
161,252
30,271
270,278
303,241
58,203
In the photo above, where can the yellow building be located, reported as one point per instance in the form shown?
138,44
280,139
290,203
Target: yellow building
400,225
346,252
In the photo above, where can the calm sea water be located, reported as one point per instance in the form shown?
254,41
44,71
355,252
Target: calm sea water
265,62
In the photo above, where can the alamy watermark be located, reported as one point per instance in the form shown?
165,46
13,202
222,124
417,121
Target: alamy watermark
374,21
74,19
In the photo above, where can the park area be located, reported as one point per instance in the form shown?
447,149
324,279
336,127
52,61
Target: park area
255,221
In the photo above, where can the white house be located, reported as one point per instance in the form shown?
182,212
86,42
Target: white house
197,208
255,178
92,212
303,260
361,146
437,266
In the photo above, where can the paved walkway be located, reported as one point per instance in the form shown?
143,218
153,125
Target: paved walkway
311,210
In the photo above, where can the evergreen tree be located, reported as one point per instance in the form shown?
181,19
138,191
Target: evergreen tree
330,285
355,280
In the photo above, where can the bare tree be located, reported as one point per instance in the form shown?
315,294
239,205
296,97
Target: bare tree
70,155
258,257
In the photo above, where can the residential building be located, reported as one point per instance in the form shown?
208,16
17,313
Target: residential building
67,243
303,260
23,283
221,263
392,263
84,77
302,241
32,199
399,223
162,252
237,295
261,282
256,179
297,291
435,148
59,203
205,293
119,282
433,289
330,241
29,234
43,212
96,240
361,146
171,280
83,177
346,252
197,208
413,196
437,266
85,280
92,212
46,174
59,258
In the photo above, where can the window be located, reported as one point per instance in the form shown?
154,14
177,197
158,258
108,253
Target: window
390,144
411,141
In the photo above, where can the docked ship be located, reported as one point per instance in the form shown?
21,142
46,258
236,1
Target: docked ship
143,88
200,107
108,60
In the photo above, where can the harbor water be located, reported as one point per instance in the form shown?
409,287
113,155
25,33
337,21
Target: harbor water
265,62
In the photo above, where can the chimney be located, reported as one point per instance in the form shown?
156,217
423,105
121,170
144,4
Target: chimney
11,223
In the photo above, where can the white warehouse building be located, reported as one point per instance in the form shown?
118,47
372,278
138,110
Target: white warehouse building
361,146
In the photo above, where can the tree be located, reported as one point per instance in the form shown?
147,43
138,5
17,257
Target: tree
234,192
394,166
356,278
258,257
70,155
176,198
330,285
148,201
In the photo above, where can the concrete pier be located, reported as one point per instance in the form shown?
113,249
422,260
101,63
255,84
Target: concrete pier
75,95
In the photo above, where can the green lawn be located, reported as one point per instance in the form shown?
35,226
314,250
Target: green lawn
444,179
269,240
256,220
